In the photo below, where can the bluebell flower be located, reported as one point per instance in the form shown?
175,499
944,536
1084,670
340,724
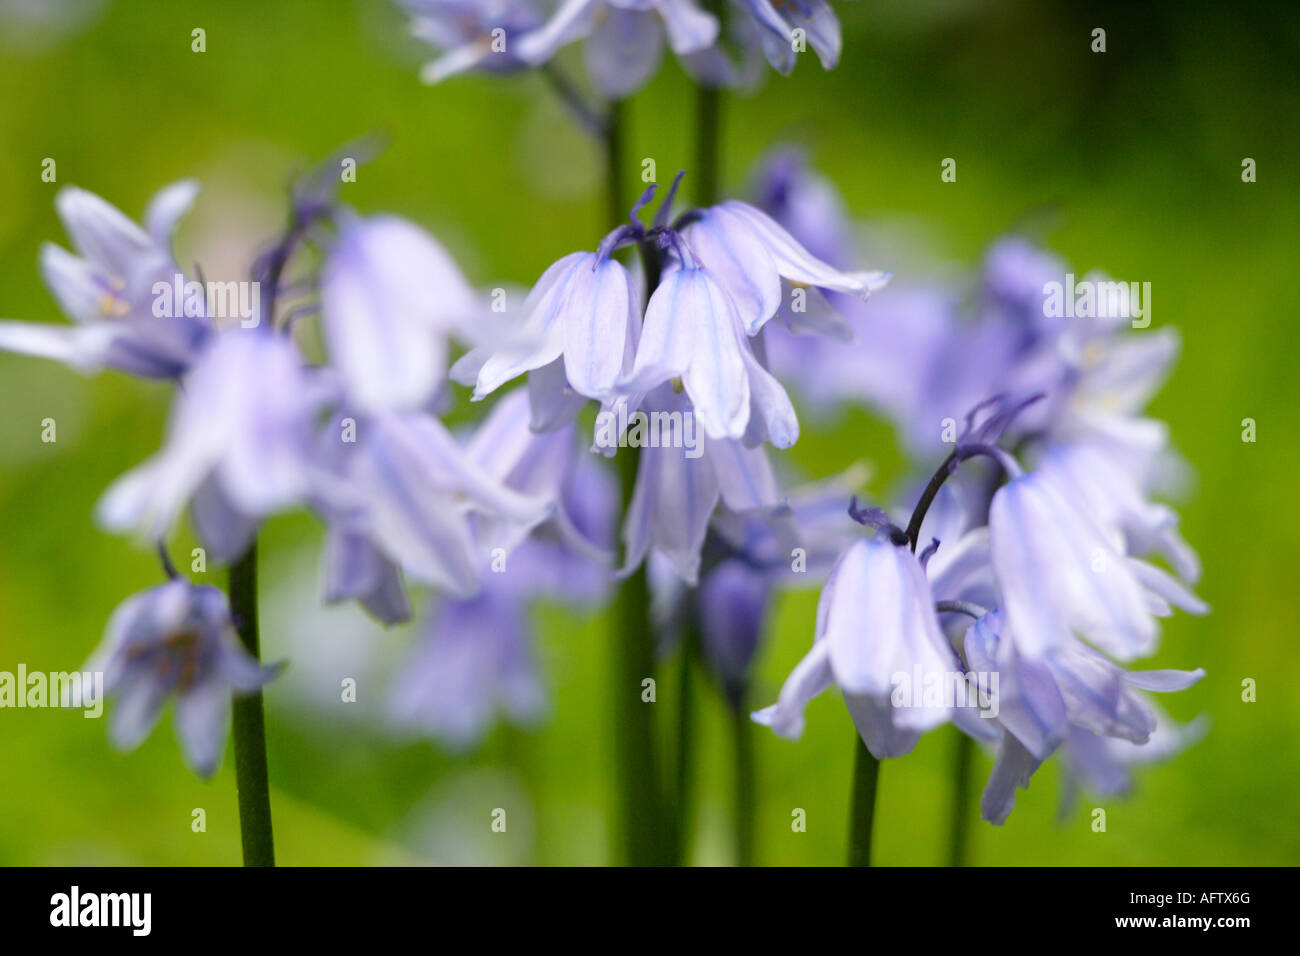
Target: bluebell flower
409,495
472,34
176,639
1105,765
875,622
238,445
750,253
391,297
552,467
1060,573
747,557
475,656
779,19
698,321
700,317
624,38
676,494
1116,500
1043,703
107,288
472,658
585,311
733,602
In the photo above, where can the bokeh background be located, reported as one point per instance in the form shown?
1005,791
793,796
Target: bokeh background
1127,161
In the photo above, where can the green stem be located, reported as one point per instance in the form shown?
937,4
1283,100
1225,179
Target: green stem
643,821
249,725
959,835
742,735
645,836
681,809
708,129
866,772
617,203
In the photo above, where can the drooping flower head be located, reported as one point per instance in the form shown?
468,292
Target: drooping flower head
391,297
110,288
475,656
176,639
238,445
720,281
471,34
624,38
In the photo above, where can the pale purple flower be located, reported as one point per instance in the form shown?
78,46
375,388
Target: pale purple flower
1115,498
876,625
750,254
583,311
472,659
552,467
675,495
391,296
410,495
238,445
1060,573
108,288
693,332
176,638
624,38
473,35
1105,765
749,555
733,601
779,19
1072,695
474,656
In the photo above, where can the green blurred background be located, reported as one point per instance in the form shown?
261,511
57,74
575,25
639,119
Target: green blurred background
1127,161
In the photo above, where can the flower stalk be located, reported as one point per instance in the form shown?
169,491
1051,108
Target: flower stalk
249,728
645,836
866,774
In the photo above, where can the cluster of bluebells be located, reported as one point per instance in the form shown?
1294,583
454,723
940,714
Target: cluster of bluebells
1023,570
257,428
1051,563
623,40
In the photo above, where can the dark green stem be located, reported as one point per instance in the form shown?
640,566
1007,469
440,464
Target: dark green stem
742,736
681,809
959,835
866,772
617,203
646,839
708,129
249,725
708,132
645,835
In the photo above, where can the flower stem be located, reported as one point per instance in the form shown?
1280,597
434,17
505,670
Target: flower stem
866,772
249,726
708,129
615,193
646,838
959,835
681,805
645,826
742,736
